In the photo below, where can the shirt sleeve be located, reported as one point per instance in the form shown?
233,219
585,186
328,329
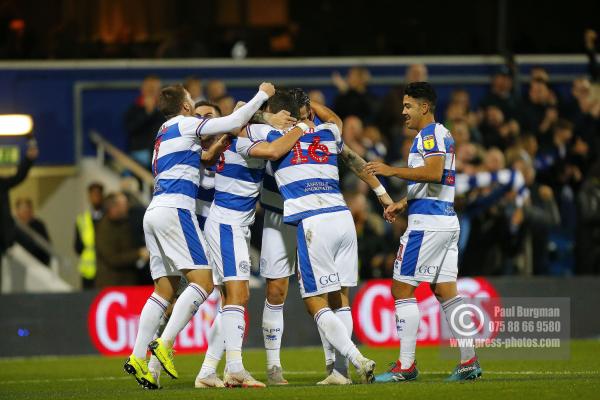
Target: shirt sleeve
432,142
244,145
339,142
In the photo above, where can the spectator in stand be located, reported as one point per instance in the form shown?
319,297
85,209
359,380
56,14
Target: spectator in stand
226,103
540,109
495,130
193,84
7,224
142,121
370,232
118,257
352,133
416,73
459,109
215,89
502,94
374,144
588,235
85,234
590,37
316,96
353,96
25,215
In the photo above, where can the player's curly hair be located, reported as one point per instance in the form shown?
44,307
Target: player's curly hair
422,91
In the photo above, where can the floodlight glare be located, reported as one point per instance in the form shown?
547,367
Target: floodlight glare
15,124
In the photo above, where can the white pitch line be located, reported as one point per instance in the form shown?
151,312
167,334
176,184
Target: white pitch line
116,378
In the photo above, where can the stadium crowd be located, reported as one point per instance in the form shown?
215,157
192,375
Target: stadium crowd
528,173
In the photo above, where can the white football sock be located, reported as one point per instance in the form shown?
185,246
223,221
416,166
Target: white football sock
407,325
341,362
336,334
150,317
272,326
234,326
216,348
328,349
466,352
186,306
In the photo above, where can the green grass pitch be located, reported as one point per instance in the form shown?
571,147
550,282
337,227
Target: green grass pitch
95,377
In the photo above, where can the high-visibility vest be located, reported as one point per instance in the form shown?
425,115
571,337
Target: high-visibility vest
87,259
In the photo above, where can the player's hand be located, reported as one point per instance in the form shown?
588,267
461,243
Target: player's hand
281,120
143,254
268,88
392,211
379,168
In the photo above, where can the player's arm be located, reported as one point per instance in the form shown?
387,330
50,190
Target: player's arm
240,117
274,150
357,165
281,120
392,211
431,172
326,114
211,155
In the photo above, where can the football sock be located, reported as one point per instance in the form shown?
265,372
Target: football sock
216,348
186,306
234,326
150,317
407,325
466,352
337,335
272,326
341,362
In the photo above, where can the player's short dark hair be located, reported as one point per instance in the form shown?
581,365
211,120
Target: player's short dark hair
301,97
422,91
207,103
283,100
170,101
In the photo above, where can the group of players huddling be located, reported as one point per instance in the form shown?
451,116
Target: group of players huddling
209,173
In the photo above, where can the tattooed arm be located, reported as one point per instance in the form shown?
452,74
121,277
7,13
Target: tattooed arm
357,166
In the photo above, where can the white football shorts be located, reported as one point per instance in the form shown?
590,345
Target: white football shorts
427,256
174,241
229,251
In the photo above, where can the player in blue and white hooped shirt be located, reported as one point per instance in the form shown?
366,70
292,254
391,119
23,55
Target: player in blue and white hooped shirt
173,237
237,187
428,249
308,179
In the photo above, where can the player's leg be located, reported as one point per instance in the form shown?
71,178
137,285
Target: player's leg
277,258
233,265
406,309
346,261
187,250
444,287
207,376
156,305
318,277
336,334
272,327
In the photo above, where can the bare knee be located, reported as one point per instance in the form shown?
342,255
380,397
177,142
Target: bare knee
277,290
238,293
402,290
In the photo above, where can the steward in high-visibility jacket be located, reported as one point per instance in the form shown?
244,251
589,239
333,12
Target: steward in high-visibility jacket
85,246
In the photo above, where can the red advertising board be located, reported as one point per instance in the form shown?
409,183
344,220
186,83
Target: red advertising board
374,315
114,315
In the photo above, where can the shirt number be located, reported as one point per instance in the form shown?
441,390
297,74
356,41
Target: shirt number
317,151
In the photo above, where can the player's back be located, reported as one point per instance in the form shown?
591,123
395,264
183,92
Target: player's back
308,176
175,164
